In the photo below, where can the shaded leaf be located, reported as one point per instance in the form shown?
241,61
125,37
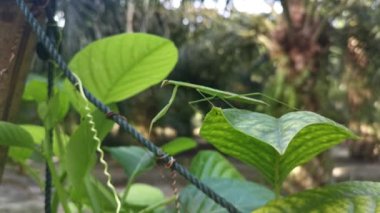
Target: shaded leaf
13,135
100,197
211,164
273,146
246,196
120,66
179,145
164,110
20,154
135,160
141,196
355,196
55,110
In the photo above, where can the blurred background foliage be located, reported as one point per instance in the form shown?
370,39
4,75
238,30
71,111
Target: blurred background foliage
319,55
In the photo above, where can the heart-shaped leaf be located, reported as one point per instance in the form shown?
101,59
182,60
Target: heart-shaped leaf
274,146
135,160
118,67
179,145
356,196
211,164
246,196
13,135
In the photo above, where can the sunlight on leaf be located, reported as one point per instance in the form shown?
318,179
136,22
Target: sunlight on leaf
120,66
274,146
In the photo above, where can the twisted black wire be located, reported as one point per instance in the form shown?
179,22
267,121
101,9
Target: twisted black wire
50,31
117,118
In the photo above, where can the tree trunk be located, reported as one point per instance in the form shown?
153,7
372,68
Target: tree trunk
17,44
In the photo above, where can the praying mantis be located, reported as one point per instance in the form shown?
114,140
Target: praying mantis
214,93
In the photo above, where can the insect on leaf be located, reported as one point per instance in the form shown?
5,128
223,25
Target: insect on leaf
165,109
217,93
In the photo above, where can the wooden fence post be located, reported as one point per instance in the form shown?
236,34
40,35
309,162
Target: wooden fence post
17,44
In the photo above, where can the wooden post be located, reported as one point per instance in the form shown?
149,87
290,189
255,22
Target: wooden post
17,44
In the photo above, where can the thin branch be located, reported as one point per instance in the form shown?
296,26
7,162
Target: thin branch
129,16
285,7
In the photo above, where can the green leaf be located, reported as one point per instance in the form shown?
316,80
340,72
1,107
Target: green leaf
274,146
35,90
211,164
142,195
20,154
13,135
118,67
355,196
164,110
246,196
55,110
179,145
135,160
37,132
80,151
100,197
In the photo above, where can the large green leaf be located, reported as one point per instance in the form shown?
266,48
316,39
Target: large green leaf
246,196
274,146
121,66
353,196
211,164
13,135
133,159
80,151
179,145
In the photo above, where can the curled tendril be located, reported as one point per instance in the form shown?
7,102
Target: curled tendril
98,143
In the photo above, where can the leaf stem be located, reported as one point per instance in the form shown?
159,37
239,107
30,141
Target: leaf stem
57,184
126,191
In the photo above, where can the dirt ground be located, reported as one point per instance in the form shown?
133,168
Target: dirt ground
19,194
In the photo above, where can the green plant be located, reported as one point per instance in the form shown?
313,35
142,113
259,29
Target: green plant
113,69
274,146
